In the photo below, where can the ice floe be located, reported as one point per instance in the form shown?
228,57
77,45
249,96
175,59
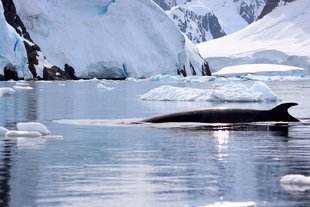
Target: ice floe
232,204
231,92
22,134
6,91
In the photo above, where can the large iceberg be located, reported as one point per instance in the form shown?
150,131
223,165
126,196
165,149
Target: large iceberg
109,38
280,37
232,92
13,56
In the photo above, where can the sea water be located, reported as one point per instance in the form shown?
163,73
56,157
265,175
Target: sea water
108,165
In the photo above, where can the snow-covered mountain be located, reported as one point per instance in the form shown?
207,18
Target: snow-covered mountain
203,20
13,56
108,39
280,37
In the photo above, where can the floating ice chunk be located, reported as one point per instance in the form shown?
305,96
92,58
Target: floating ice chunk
3,131
22,134
295,182
258,92
33,126
295,179
6,91
22,85
102,87
232,204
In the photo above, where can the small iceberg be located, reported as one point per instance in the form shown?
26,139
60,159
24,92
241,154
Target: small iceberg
28,129
295,182
258,92
33,126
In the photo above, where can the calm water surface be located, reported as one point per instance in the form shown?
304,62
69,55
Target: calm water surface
145,166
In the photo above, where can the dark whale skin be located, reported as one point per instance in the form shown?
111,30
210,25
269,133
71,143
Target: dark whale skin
277,114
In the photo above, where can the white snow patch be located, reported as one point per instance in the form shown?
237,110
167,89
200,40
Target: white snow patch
260,70
33,126
6,91
232,92
232,204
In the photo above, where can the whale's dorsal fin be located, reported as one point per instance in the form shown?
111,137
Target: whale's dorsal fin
283,110
283,107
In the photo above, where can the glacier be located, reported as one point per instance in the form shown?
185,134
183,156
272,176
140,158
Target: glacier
280,37
13,56
203,20
108,39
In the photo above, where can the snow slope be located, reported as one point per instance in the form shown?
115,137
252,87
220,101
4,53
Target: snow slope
12,50
109,38
281,37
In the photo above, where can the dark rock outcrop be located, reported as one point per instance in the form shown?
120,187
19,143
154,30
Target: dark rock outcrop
14,20
205,69
55,73
10,73
211,23
197,26
69,70
271,5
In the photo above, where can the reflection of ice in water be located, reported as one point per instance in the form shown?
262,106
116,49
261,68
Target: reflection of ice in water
221,141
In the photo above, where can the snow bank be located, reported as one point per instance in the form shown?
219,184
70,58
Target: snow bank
33,126
232,204
258,92
12,50
108,39
281,37
260,70
6,91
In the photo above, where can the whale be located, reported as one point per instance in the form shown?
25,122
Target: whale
277,114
